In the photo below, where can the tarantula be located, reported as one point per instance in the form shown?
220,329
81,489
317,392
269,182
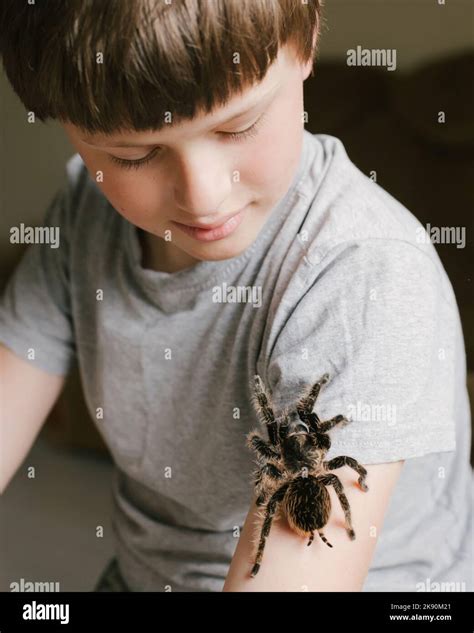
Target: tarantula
292,475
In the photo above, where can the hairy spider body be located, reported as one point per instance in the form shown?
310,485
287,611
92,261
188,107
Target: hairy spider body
292,474
307,505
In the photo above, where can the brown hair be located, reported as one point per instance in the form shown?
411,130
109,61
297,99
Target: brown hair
159,56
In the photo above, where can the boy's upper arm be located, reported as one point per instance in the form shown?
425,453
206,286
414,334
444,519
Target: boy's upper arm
288,564
37,341
378,317
27,396
36,320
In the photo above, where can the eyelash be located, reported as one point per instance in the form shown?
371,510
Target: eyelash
234,136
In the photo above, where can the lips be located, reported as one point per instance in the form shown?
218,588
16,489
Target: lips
211,226
213,234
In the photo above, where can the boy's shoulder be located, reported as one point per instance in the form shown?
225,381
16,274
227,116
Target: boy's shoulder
363,296
346,206
353,241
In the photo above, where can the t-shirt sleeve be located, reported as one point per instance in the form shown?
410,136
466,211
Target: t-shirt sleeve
378,317
35,307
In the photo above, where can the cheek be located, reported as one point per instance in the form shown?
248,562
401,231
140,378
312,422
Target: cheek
131,194
130,201
271,159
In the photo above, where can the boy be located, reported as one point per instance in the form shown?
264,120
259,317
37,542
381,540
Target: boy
207,237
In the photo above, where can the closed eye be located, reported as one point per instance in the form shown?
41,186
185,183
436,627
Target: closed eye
249,132
242,135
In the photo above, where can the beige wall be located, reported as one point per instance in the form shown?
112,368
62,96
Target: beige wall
420,30
32,156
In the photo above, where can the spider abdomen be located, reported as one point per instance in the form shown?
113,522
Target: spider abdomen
307,505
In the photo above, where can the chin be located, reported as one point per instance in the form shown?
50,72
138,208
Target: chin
218,252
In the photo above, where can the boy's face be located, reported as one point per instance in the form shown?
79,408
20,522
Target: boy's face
199,174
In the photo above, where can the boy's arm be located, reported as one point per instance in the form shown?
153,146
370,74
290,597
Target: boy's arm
288,564
27,394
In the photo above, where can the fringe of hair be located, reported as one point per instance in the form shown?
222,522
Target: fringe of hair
158,56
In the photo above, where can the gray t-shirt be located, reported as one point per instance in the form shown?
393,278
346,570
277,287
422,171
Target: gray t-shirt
339,280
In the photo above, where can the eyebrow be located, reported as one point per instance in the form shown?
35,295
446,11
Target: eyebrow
262,100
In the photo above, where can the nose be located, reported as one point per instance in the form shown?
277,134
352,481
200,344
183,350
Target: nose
297,428
203,184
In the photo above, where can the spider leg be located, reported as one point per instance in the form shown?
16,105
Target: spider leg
271,471
264,409
312,420
343,460
267,523
324,539
324,427
307,402
283,425
332,480
261,446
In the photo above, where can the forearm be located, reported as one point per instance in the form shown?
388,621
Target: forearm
22,417
288,564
